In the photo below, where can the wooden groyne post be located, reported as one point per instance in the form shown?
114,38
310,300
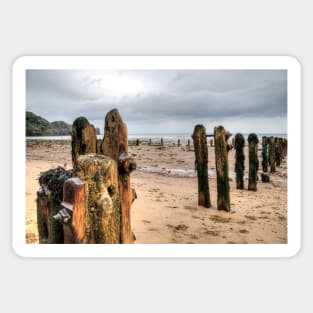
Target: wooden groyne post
49,198
103,210
161,142
99,143
115,145
178,143
73,211
84,139
265,153
272,162
221,160
285,147
188,144
201,165
277,151
253,161
239,144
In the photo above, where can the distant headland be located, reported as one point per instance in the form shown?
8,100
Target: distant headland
38,126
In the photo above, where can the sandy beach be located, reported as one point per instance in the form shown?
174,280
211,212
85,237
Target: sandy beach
166,209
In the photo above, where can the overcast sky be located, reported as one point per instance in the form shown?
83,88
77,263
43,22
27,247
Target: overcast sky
164,101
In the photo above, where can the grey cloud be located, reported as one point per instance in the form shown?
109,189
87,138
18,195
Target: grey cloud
178,96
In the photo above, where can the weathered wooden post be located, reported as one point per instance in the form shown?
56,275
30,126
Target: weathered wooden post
73,211
221,161
188,144
201,164
277,152
265,152
137,142
49,198
253,161
285,147
99,143
161,141
281,148
103,210
84,139
272,154
115,145
178,143
149,141
240,160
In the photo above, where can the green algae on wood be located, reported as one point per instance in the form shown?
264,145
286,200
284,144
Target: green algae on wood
253,161
49,198
272,162
84,139
265,153
239,143
221,161
103,213
201,165
115,145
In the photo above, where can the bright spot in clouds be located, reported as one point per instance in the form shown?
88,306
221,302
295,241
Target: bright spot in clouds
119,85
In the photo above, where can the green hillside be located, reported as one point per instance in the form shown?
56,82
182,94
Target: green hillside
38,126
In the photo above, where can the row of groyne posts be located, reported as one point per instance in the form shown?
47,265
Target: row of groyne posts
274,150
90,203
158,143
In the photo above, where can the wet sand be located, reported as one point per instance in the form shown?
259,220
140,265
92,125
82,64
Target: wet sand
166,209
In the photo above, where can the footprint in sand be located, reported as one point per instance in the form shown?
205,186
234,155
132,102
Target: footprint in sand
179,227
194,237
220,219
146,221
250,217
243,231
196,217
190,208
241,222
214,233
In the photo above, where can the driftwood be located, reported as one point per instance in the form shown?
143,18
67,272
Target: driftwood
253,161
201,164
115,145
221,160
84,139
239,143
